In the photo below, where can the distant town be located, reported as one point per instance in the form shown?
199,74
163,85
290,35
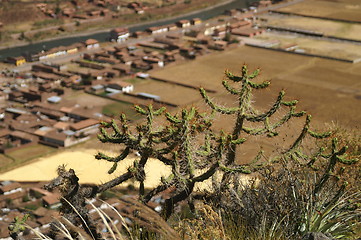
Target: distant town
35,112
47,97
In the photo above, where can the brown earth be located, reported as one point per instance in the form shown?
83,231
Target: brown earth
343,10
329,90
331,28
323,47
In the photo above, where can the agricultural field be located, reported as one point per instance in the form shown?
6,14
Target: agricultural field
330,90
168,92
342,50
18,157
328,27
349,10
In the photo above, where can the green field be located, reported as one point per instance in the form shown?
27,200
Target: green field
20,156
117,108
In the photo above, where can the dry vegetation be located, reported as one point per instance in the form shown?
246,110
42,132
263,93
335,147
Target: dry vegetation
169,92
328,89
343,10
334,49
331,28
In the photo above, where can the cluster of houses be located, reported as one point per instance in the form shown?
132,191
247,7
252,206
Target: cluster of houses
52,53
18,199
34,111
39,124
43,118
240,24
84,9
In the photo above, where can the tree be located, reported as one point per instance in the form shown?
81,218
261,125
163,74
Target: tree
188,143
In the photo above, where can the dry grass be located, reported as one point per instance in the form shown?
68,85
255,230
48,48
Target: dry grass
344,10
341,50
331,28
169,92
328,89
30,152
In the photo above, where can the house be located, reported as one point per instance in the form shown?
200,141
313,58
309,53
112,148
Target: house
62,126
54,99
123,69
91,43
11,190
183,23
155,45
89,64
74,48
97,88
248,32
127,59
41,68
95,13
56,139
121,86
171,56
31,94
54,52
196,21
142,75
75,79
119,34
152,60
7,187
240,24
209,29
101,59
85,127
220,32
264,3
68,12
138,34
141,65
17,61
156,30
109,73
137,7
172,43
172,27
17,96
52,201
219,45
58,67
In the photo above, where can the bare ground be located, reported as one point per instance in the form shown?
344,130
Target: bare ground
344,10
330,90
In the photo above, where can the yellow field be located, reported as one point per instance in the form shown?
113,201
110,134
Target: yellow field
88,169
